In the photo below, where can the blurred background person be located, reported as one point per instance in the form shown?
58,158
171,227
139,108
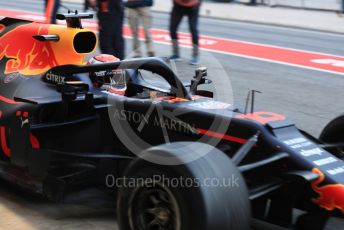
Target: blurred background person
252,3
110,15
86,5
51,8
181,8
140,10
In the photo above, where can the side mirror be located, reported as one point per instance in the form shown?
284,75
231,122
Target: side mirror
199,79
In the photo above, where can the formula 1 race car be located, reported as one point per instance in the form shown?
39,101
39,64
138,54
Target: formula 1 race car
174,157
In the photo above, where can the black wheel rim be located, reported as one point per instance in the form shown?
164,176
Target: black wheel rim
153,207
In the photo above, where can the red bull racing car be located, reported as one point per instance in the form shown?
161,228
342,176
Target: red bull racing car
174,157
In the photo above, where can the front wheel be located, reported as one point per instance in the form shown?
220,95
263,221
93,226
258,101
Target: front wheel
333,133
208,193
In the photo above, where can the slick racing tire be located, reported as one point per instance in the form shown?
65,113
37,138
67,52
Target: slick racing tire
182,197
334,133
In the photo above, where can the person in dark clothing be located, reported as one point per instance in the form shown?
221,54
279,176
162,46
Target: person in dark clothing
86,5
190,9
252,3
51,8
110,20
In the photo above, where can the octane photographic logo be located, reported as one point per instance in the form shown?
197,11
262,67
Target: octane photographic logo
154,118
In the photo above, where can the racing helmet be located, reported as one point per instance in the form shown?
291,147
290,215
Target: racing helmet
113,81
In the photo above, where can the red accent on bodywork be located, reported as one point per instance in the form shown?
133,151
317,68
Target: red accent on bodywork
4,146
221,136
34,141
25,114
7,100
18,113
6,150
262,117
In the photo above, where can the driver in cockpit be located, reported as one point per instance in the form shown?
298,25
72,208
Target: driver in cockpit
113,81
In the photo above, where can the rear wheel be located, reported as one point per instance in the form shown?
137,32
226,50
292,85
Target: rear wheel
178,197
